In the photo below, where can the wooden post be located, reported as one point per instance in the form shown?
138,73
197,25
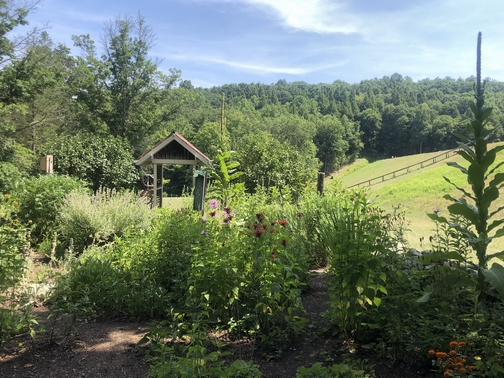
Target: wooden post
155,191
159,193
199,190
46,164
320,183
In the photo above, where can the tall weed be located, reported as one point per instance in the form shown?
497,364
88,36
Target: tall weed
356,238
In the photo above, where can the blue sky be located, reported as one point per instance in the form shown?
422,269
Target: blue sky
215,42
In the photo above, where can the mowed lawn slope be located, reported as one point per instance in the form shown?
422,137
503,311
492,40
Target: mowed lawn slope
417,193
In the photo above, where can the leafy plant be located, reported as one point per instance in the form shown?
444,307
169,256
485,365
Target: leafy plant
40,199
15,316
190,352
355,236
475,206
224,186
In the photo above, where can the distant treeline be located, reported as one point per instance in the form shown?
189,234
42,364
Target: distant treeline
391,116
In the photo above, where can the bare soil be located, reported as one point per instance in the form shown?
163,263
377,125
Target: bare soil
107,348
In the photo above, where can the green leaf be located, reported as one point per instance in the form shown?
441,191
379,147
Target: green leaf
473,107
467,211
449,197
496,212
486,113
424,298
495,277
498,179
495,224
463,137
467,150
465,192
437,218
499,233
488,159
235,291
495,169
458,166
490,194
497,255
475,175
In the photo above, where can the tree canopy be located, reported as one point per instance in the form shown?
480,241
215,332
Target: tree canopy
282,132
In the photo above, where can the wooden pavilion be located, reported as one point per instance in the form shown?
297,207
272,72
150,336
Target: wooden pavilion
174,149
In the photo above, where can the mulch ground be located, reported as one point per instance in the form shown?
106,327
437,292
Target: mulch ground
107,348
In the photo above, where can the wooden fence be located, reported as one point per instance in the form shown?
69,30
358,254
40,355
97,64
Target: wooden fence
406,170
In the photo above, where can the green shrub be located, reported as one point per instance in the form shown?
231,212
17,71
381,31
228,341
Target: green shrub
142,274
10,177
13,243
40,199
99,218
101,283
14,247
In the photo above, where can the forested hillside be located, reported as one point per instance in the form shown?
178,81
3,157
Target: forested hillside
110,102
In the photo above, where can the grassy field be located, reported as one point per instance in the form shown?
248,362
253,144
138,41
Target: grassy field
176,203
417,193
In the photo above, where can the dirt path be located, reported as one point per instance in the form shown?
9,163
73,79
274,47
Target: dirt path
106,349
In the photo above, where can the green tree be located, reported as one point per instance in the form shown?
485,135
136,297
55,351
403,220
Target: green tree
421,126
267,162
102,161
18,79
124,89
330,142
370,125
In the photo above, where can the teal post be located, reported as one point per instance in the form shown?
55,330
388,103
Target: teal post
199,189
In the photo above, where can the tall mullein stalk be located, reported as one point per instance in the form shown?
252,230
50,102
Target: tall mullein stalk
477,227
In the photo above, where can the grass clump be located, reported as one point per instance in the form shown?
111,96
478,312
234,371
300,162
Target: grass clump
97,219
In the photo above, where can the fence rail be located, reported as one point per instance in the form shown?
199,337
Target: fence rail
406,170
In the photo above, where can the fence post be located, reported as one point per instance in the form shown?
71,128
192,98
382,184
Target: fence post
320,183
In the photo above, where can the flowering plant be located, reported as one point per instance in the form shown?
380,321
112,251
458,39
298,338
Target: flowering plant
454,363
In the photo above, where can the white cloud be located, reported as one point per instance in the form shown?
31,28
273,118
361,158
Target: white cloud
318,16
256,67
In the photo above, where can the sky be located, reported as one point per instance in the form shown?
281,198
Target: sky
216,42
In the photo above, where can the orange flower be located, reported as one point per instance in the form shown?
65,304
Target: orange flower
461,344
472,367
453,352
447,373
453,344
441,355
432,351
462,371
